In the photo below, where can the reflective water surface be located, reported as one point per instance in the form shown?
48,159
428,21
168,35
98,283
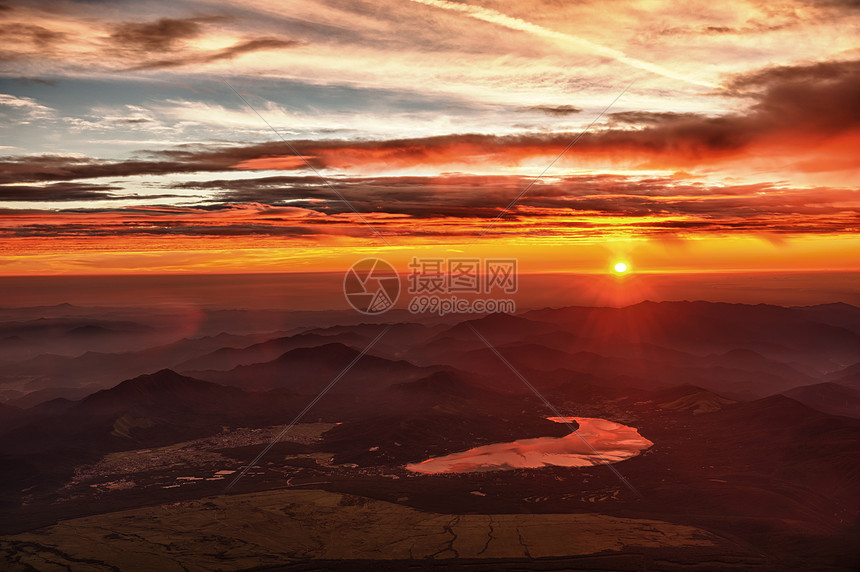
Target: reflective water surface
597,441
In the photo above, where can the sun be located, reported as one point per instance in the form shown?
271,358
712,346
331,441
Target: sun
620,267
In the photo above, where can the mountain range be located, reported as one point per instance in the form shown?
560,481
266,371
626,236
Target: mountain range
754,412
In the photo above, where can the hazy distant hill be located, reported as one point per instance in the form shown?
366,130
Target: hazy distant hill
829,397
742,350
308,370
48,376
71,335
836,314
228,358
848,376
786,334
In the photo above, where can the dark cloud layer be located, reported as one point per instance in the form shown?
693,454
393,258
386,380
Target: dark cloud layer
553,110
156,228
434,206
158,36
470,197
801,103
162,43
38,35
236,50
789,105
59,192
790,102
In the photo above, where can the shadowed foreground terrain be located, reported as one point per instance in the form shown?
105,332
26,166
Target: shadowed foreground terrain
278,527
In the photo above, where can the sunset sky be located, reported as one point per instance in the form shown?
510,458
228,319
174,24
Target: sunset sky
718,135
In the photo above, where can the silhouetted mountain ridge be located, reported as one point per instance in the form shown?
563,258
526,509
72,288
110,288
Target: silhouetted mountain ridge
308,370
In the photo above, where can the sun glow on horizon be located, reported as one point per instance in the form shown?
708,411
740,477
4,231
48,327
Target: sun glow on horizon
620,267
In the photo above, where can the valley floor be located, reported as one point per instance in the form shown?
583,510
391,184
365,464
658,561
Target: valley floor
276,528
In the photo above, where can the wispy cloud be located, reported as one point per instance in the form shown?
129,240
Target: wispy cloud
28,107
567,40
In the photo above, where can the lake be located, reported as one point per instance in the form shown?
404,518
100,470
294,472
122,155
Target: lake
596,442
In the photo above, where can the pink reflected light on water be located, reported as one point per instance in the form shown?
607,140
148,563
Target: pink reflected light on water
613,442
